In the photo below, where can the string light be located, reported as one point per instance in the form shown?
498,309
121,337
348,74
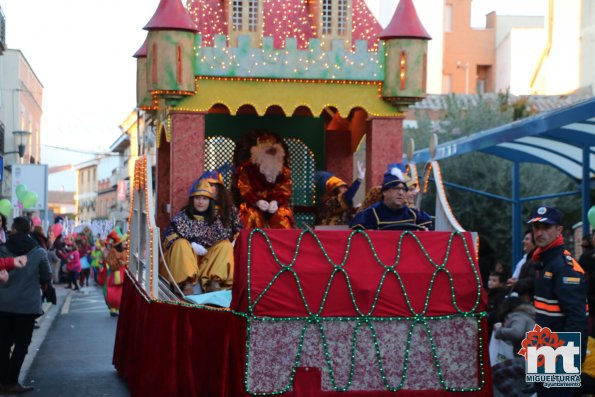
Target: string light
288,32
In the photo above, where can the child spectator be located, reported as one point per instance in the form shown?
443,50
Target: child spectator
509,375
84,250
97,259
73,265
496,293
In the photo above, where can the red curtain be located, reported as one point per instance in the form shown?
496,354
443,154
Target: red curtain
164,349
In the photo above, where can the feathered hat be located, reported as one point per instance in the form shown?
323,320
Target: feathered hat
394,177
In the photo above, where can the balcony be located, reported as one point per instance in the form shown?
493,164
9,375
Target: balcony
2,32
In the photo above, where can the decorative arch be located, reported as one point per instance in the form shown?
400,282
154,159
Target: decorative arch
246,109
219,108
303,110
274,110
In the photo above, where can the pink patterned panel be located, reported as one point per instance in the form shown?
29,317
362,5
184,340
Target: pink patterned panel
273,350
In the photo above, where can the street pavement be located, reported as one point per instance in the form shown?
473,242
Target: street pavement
71,352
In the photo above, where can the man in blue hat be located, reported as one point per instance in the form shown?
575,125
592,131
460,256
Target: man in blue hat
392,212
560,293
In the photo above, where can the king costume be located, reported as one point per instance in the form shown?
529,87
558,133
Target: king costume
264,183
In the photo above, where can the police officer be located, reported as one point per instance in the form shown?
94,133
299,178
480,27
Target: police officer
560,291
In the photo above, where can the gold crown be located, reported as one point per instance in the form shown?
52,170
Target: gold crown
267,138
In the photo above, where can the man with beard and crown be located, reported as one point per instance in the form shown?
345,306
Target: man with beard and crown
264,183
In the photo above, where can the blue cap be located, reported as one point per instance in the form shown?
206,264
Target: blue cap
548,215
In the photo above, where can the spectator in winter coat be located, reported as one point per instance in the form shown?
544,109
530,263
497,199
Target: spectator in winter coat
20,303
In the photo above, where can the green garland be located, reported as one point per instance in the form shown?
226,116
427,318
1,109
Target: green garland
363,319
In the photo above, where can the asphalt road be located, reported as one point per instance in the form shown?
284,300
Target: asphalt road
71,352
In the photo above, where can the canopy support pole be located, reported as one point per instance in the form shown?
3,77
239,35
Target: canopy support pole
585,189
516,212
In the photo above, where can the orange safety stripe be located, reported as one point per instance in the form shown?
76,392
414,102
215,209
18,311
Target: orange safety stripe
575,265
552,308
547,307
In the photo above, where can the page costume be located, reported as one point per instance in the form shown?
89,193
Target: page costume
184,230
336,208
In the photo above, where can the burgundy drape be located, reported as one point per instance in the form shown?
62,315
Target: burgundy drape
164,349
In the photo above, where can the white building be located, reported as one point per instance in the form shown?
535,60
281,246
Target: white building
20,108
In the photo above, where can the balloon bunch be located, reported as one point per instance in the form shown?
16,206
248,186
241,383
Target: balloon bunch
27,198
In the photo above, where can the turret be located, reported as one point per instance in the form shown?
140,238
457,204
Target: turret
144,99
405,56
169,54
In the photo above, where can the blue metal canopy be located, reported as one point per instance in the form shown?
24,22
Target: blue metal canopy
563,138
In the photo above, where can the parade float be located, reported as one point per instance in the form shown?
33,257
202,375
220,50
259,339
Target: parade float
313,312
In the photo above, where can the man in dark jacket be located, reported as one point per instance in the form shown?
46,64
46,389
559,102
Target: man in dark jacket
20,303
560,291
392,213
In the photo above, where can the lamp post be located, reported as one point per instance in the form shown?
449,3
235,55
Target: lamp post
21,150
21,135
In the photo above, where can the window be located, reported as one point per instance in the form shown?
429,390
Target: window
448,18
245,19
342,18
179,64
446,84
253,15
154,65
334,22
327,16
403,66
237,15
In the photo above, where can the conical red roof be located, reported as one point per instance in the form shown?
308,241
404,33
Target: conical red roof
142,51
405,23
171,15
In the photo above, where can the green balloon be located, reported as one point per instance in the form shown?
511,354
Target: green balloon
591,215
5,207
20,191
29,199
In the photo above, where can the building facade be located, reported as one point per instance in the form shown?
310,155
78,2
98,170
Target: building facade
469,56
20,108
86,190
62,204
